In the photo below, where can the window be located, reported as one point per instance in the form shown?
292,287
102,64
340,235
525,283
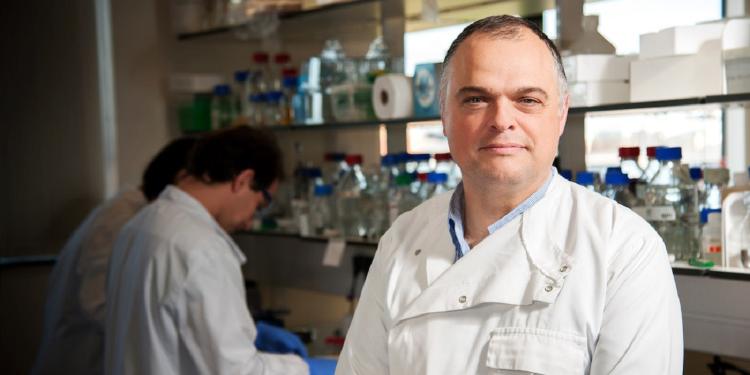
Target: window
698,130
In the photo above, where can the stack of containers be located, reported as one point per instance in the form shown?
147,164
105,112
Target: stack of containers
597,79
714,55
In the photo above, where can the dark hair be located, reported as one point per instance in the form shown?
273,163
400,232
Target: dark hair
164,167
503,27
223,154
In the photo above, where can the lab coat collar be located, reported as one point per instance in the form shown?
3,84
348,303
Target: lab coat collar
519,264
177,196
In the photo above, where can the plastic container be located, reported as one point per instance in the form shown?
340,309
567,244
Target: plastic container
711,236
715,179
351,102
629,162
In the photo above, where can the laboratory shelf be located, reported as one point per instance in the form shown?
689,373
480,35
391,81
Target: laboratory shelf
282,15
291,235
672,103
726,273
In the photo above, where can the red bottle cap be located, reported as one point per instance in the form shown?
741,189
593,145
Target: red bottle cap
443,156
282,58
629,152
354,159
260,57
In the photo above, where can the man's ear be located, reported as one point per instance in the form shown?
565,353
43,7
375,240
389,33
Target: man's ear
244,180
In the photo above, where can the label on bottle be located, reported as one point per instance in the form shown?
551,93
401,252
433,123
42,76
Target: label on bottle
656,213
714,249
334,252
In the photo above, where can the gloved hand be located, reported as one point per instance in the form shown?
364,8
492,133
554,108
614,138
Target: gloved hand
321,366
272,339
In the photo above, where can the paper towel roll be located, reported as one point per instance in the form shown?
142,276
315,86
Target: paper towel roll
392,97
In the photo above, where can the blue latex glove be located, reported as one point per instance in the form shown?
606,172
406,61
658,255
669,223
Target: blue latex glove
272,339
321,366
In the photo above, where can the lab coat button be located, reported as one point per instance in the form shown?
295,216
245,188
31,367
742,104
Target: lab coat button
418,251
564,268
548,288
462,299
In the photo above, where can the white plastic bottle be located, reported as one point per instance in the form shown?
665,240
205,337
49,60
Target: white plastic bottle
711,237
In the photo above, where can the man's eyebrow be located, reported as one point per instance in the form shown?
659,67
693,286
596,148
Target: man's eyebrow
473,90
529,90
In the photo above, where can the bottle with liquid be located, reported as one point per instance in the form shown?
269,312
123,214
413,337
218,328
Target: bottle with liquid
401,199
586,179
257,109
652,165
281,63
436,184
261,73
273,110
322,210
222,113
714,179
672,205
240,93
334,167
629,162
289,89
617,188
352,201
444,164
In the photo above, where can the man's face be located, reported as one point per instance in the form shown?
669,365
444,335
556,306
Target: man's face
502,113
245,201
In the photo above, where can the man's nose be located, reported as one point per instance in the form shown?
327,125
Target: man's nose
500,115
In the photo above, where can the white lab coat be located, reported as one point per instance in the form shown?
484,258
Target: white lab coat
73,335
575,285
177,298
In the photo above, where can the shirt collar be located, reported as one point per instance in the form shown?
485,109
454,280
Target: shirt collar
456,210
185,200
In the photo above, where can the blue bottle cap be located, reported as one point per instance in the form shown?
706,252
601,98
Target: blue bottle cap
585,178
567,173
669,153
388,160
258,98
334,156
222,90
275,96
613,170
696,173
420,157
323,190
290,82
437,178
241,76
314,172
706,211
616,178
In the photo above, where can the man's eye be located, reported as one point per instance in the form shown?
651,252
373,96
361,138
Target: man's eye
530,101
473,100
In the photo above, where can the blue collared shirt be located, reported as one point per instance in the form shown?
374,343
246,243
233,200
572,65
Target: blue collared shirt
455,215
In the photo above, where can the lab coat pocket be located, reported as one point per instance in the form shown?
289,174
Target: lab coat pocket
519,350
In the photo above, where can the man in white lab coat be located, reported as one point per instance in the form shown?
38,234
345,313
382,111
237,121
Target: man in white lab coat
518,270
73,333
176,292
